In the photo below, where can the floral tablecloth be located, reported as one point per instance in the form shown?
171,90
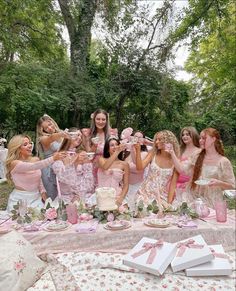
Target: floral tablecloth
95,271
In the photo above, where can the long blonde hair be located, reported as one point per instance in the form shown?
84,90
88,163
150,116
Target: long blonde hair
40,132
168,137
13,154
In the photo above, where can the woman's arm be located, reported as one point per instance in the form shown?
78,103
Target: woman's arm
172,188
106,163
46,140
18,166
125,187
142,164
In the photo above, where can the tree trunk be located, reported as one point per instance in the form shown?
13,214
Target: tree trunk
79,30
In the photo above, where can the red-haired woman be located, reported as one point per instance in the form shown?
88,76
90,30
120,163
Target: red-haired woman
211,166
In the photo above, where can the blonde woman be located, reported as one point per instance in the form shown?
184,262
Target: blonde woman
23,171
158,183
48,140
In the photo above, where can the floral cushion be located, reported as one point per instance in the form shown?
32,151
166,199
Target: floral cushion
19,265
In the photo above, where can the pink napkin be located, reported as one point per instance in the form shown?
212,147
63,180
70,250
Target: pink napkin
187,224
87,227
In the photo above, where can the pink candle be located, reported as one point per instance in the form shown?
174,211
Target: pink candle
72,214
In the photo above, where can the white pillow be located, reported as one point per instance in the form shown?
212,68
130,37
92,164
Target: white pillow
19,265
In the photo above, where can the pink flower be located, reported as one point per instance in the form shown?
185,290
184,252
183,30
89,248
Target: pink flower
126,133
85,217
51,213
19,266
110,217
122,209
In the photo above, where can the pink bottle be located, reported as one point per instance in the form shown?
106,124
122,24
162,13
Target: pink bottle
72,214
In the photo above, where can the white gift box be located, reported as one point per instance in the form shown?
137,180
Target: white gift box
150,255
219,266
191,252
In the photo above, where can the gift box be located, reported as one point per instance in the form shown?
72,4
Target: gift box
150,255
219,266
191,252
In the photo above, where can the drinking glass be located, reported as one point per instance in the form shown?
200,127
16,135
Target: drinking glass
221,211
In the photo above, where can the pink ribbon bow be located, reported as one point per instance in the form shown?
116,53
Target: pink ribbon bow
219,255
149,246
187,244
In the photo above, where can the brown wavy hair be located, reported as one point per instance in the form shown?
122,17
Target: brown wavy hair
193,134
218,146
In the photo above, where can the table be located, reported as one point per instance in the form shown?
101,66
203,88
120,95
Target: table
118,241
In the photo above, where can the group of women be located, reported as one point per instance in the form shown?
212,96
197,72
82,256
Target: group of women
75,162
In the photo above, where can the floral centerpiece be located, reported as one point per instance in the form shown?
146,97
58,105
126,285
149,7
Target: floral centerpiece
87,213
153,207
52,210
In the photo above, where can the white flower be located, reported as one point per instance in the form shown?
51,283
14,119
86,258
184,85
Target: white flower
53,204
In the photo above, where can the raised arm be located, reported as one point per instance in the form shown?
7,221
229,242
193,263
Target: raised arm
125,187
106,163
142,164
46,140
18,166
172,187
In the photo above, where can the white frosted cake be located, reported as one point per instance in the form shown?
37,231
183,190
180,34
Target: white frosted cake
106,198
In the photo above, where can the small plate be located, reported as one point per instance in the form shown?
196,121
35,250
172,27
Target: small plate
118,224
202,182
230,193
157,223
62,225
121,227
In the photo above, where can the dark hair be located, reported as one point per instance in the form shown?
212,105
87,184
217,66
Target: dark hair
106,153
93,124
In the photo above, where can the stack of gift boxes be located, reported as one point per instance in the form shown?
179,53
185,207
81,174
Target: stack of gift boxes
192,255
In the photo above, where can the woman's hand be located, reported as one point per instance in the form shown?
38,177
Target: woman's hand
82,157
120,148
137,146
59,156
44,196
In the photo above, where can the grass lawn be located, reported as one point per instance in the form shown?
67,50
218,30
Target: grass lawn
5,189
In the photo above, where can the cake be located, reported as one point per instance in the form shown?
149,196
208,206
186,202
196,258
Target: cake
106,198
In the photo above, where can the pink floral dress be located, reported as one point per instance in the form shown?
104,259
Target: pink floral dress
157,180
74,180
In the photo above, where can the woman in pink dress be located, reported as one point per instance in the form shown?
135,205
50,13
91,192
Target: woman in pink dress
113,172
23,171
189,146
94,138
75,172
210,166
158,183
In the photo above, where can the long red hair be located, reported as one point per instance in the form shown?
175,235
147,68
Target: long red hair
218,146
